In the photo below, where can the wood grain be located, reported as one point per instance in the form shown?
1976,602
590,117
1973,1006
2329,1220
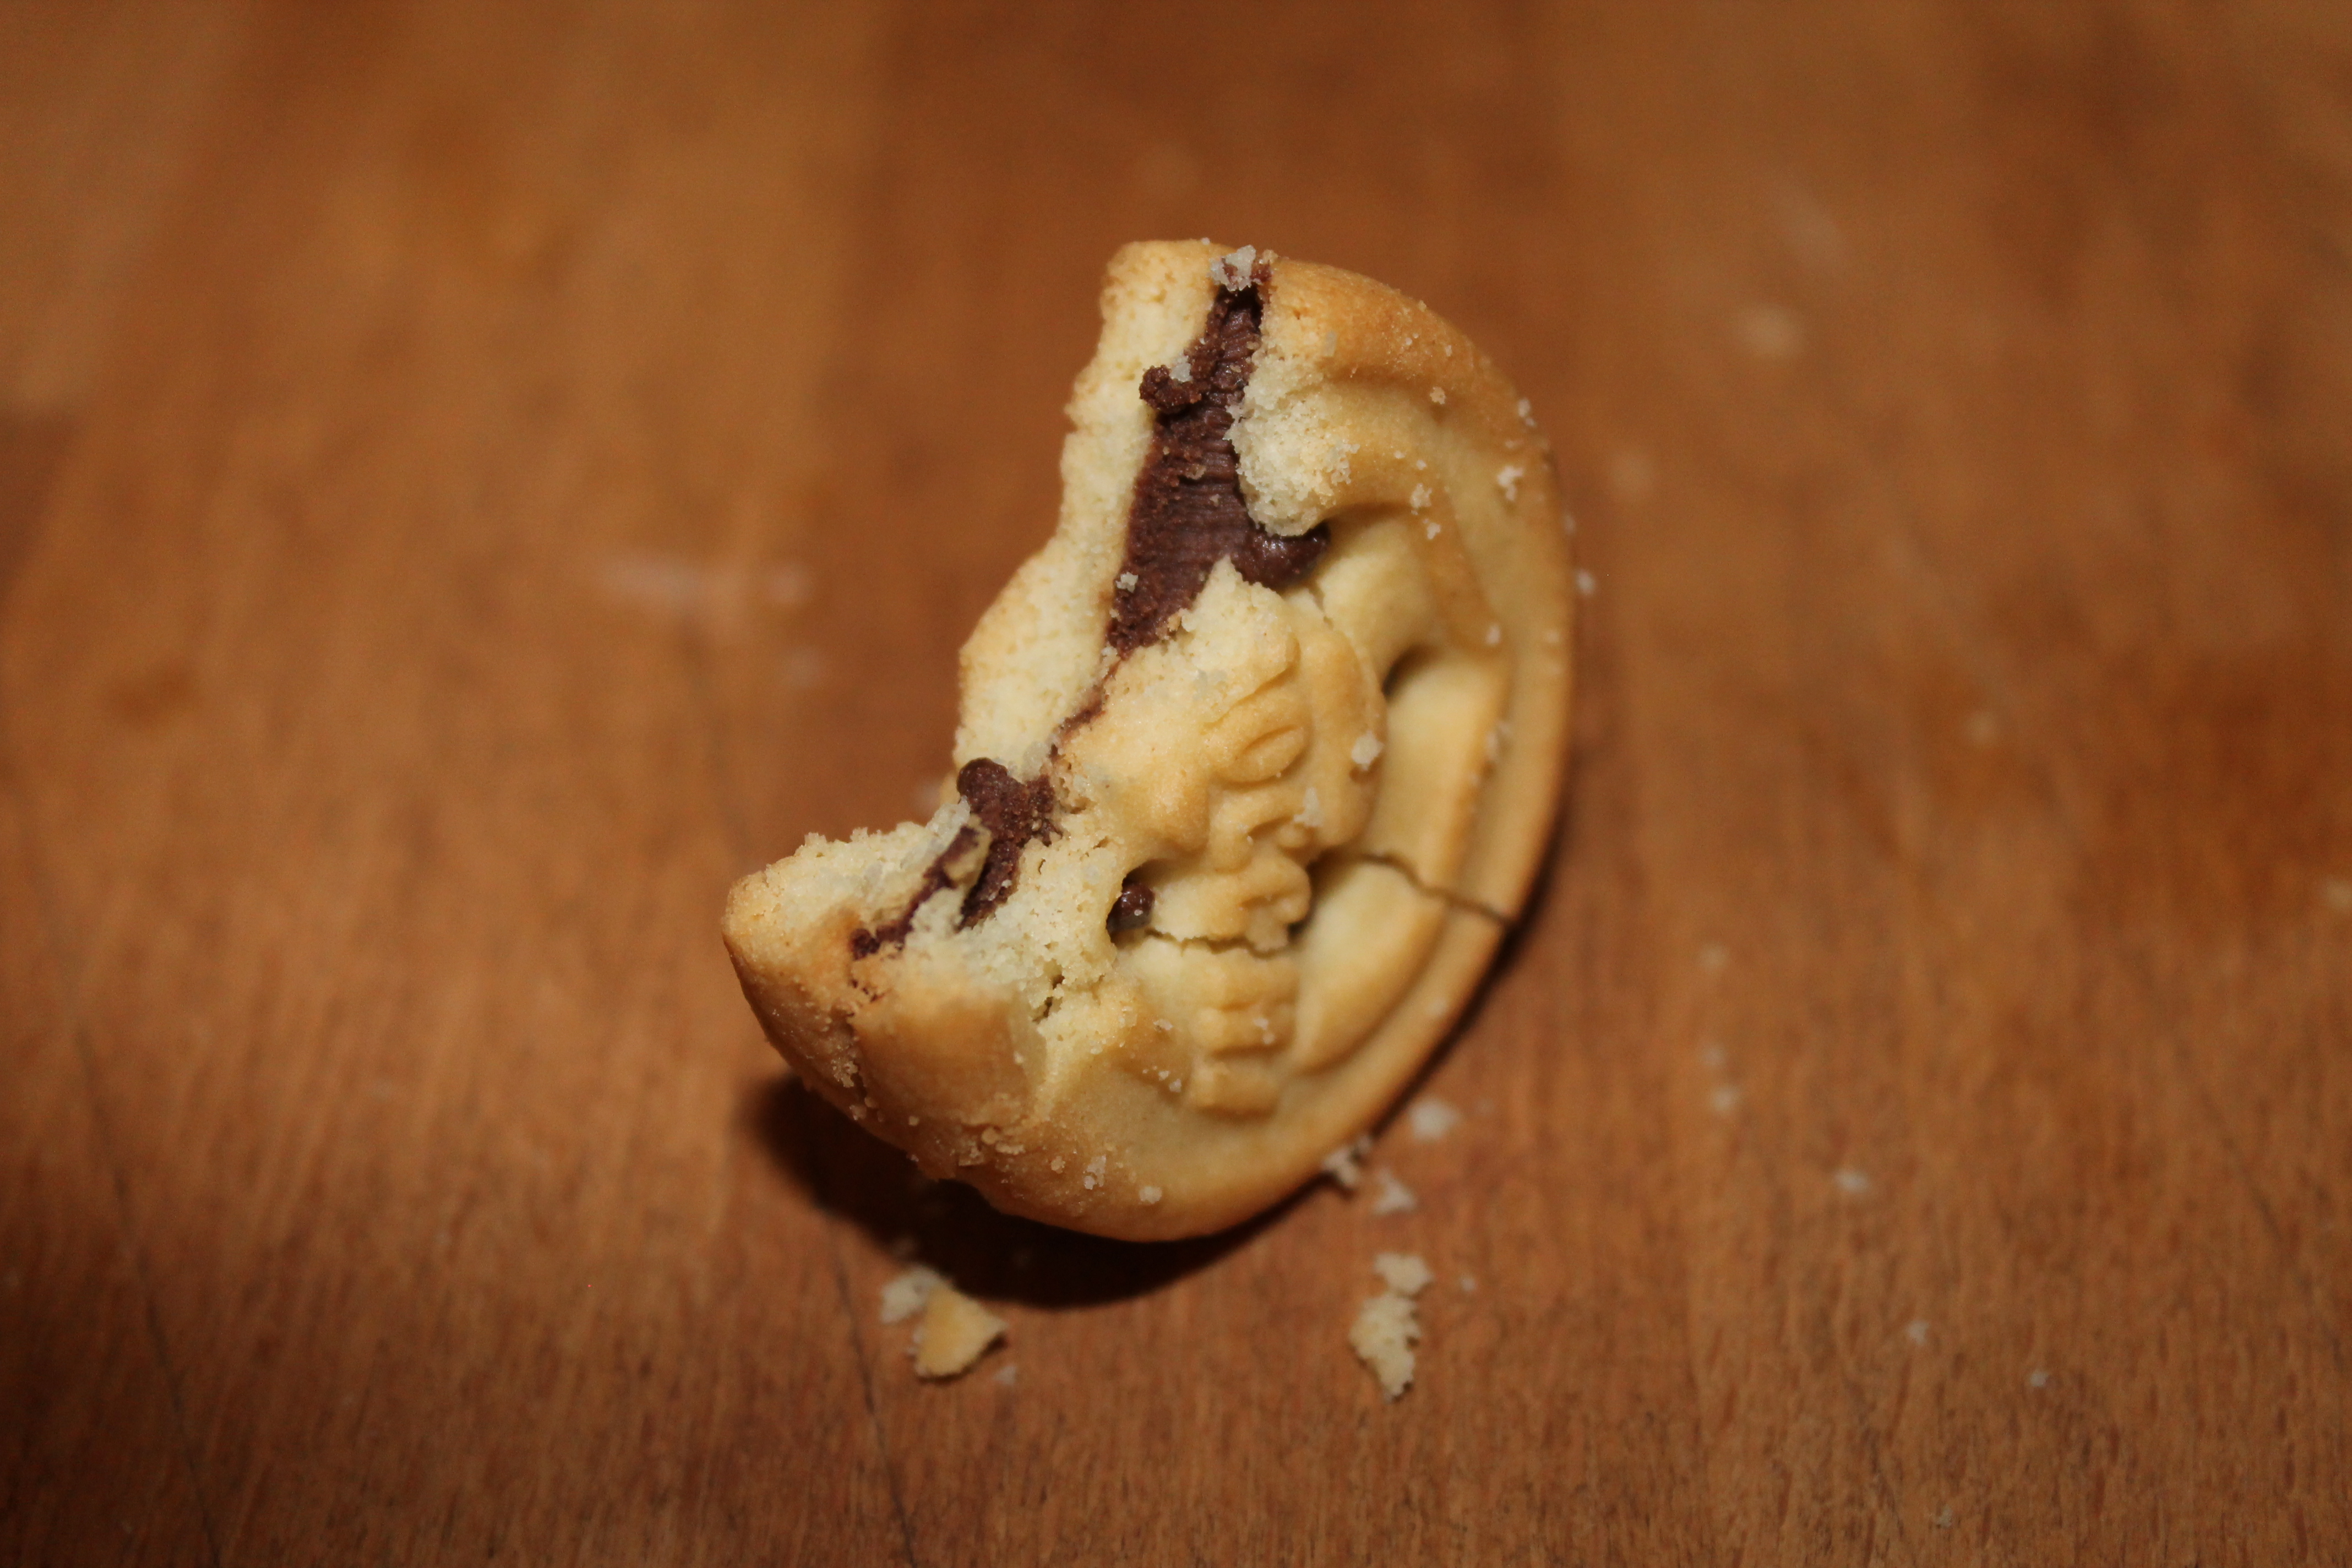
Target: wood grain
473,481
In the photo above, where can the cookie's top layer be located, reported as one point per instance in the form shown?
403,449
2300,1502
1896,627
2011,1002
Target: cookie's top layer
1257,754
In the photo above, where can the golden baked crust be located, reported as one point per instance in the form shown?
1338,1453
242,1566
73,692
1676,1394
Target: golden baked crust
1324,798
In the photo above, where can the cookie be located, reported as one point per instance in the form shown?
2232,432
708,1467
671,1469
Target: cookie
1256,759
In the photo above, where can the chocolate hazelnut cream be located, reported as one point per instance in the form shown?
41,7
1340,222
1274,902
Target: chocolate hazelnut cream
1188,513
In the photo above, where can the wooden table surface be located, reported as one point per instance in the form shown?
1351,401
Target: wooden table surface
476,479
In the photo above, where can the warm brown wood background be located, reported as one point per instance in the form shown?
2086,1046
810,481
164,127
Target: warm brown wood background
475,478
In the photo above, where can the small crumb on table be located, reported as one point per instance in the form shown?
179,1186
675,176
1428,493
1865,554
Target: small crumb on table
1388,1326
1402,1272
1345,1164
904,1296
1431,1119
955,1329
956,1332
1390,1195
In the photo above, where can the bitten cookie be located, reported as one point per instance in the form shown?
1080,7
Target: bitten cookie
1257,757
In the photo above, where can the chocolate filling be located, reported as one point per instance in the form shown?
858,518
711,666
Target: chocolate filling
1187,515
1013,812
1132,909
865,944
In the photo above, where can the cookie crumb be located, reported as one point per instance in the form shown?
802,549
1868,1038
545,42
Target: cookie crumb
1437,395
1390,1195
1366,751
1916,1330
1469,1283
1093,1176
1151,1194
1586,583
2037,1378
1506,479
1345,1164
1431,1119
956,1332
1388,1326
1383,1338
1402,1272
1007,1375
1233,270
1527,414
1127,582
1420,498
904,1297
